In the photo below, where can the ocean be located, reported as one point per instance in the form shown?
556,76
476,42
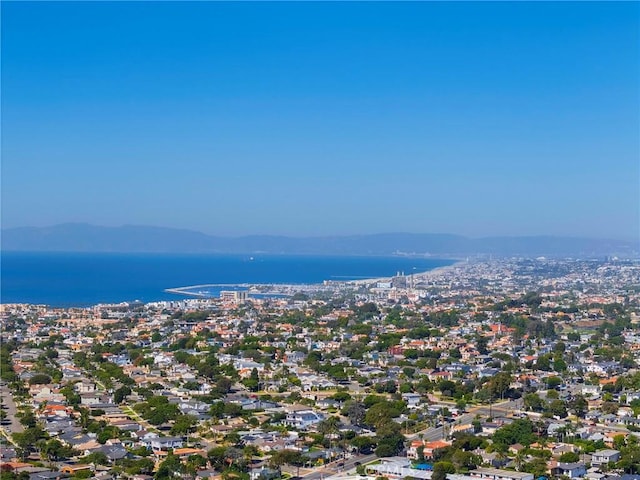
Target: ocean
84,279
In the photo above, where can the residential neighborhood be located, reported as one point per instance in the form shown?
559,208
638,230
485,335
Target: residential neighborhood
508,369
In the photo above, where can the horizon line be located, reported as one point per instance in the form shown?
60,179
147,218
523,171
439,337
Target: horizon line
397,232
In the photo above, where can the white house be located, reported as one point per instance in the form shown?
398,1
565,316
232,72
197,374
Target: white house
303,419
602,457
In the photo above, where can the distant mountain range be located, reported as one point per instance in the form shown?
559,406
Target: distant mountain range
89,238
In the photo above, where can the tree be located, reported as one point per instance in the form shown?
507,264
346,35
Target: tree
390,439
27,419
390,445
140,466
579,405
465,460
27,440
253,382
170,468
569,457
216,457
183,424
499,384
558,408
520,431
537,466
121,394
329,425
610,407
286,457
533,402
341,396
381,413
355,411
559,365
362,443
55,450
40,379
553,382
97,458
447,387
441,469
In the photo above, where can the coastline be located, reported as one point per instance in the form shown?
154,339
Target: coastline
421,276
360,282
81,280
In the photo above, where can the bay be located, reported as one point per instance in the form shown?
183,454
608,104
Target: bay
82,279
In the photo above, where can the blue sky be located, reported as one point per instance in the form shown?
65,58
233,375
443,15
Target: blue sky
323,118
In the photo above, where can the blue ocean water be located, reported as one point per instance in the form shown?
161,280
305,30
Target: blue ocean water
81,279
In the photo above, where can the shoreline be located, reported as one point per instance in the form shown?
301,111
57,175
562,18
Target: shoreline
420,276
154,290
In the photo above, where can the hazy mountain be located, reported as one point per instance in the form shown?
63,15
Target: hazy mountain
90,238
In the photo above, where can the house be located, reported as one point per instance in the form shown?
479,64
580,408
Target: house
16,466
93,399
75,468
609,437
430,447
602,457
207,475
264,474
294,357
143,435
437,376
592,390
7,454
396,468
85,386
571,470
162,443
303,419
114,452
515,448
412,399
498,474
46,475
181,453
327,403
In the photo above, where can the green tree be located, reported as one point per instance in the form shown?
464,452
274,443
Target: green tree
533,402
579,405
170,468
355,411
465,461
253,382
569,457
40,379
121,394
441,469
558,408
520,431
97,458
183,424
499,384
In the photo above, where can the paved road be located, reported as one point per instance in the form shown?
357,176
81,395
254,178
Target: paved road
14,425
429,434
6,398
334,467
439,433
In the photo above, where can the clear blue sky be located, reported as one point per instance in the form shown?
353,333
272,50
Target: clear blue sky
323,118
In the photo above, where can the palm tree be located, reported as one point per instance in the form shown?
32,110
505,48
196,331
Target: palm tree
519,459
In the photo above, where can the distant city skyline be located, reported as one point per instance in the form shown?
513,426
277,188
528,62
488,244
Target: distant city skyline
305,119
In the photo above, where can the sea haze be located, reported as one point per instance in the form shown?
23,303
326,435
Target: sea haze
81,279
